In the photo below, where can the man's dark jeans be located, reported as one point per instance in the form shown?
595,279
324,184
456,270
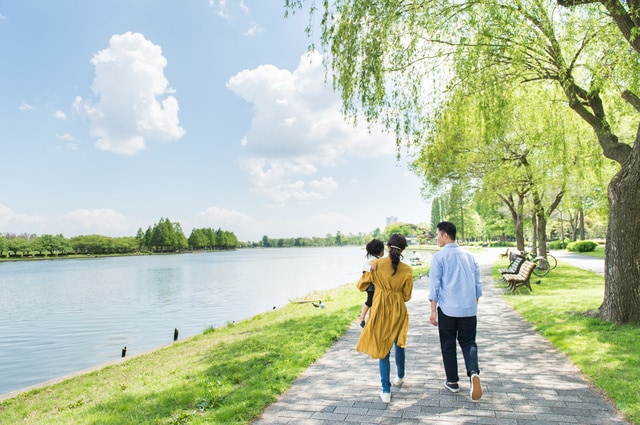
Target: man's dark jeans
464,330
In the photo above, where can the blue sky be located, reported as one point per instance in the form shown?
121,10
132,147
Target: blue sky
116,113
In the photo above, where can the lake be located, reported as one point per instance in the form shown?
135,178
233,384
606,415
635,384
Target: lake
65,315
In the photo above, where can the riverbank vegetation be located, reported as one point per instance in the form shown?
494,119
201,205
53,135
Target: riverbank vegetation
563,308
162,237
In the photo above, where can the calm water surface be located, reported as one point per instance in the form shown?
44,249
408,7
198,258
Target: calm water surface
62,316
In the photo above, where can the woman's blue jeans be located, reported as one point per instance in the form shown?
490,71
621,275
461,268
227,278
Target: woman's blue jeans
385,368
464,330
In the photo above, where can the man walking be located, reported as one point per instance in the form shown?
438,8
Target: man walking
454,290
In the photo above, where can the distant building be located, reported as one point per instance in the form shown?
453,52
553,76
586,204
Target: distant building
391,220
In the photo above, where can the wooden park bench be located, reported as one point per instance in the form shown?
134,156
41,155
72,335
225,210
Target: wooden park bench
522,278
514,267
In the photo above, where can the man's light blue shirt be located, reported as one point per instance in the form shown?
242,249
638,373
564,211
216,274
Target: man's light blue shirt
454,281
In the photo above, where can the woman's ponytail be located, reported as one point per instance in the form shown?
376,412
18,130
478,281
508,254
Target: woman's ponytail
397,243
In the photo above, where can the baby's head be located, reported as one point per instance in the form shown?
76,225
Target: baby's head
375,248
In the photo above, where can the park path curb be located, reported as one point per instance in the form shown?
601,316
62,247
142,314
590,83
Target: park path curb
524,378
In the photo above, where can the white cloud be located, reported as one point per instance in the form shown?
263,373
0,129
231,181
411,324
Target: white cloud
298,128
8,218
282,180
225,219
254,29
244,7
24,106
69,141
135,102
106,222
60,115
221,8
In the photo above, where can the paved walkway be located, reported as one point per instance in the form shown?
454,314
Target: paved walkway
593,264
525,380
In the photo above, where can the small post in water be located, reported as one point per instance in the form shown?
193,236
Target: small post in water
175,334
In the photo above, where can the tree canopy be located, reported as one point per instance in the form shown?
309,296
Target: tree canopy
402,63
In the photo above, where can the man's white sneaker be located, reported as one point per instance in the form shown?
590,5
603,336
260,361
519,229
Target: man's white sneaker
476,389
385,397
397,381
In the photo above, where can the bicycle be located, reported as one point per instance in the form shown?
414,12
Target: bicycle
543,265
553,263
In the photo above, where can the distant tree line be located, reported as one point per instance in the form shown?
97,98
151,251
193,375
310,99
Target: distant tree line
315,241
168,236
418,231
163,236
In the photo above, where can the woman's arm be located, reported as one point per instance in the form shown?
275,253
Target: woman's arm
407,288
364,281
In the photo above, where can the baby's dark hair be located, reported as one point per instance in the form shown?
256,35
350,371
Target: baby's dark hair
397,243
375,247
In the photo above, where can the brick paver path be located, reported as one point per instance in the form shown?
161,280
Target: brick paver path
525,380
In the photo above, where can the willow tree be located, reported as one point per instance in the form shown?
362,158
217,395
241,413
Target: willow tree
386,55
509,147
460,152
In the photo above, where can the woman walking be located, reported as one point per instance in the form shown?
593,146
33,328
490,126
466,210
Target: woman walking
388,323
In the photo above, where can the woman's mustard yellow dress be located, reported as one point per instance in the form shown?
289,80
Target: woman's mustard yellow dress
388,317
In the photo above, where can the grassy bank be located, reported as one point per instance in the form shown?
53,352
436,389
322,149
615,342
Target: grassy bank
562,308
226,375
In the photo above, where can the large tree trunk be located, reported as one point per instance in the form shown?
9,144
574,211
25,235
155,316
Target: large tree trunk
542,235
573,224
517,217
519,221
539,221
534,233
622,261
622,253
516,209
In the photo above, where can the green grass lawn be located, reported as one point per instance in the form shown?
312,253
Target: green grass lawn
562,308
